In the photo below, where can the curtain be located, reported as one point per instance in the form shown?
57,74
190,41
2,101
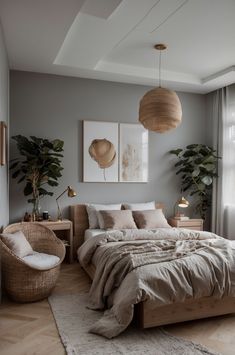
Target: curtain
223,130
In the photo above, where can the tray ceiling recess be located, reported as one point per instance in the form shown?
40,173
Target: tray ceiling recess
113,40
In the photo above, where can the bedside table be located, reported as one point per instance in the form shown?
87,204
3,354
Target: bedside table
64,225
196,224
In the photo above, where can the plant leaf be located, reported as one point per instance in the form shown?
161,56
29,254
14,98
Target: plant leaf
28,190
14,165
16,173
207,180
176,151
196,172
21,179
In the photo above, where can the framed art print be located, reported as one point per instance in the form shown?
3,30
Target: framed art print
114,152
133,149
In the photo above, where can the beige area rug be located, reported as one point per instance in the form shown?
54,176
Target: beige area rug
73,320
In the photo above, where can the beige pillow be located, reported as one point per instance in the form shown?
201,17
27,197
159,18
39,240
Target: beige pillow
17,243
122,219
150,219
92,213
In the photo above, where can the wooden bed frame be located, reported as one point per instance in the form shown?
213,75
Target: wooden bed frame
147,313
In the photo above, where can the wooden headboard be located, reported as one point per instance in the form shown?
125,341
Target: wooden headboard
79,217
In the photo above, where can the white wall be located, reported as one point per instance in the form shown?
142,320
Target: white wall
54,106
4,95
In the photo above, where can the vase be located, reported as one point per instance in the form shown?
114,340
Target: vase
36,210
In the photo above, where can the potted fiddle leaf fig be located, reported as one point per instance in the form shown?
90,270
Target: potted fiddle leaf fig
197,166
38,167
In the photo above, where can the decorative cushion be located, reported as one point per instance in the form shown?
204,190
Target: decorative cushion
150,219
41,261
17,243
140,206
122,219
92,216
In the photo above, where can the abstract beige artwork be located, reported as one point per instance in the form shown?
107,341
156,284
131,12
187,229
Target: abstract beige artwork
100,151
133,145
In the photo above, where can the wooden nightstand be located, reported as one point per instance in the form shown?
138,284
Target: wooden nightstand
196,224
64,225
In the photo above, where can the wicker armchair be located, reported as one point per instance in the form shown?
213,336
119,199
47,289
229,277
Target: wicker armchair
22,282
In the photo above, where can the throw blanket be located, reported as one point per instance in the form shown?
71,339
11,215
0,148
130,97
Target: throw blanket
165,265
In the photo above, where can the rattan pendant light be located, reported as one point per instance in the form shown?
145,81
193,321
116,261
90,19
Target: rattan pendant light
160,109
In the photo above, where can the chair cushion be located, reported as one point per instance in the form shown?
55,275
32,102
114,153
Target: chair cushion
41,261
17,243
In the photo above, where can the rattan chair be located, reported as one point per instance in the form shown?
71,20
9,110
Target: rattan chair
22,282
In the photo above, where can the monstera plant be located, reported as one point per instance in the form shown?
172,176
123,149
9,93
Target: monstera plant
197,166
39,167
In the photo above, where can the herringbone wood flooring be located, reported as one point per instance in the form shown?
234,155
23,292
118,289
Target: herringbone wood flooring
29,329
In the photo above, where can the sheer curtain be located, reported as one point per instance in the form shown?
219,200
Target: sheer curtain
223,201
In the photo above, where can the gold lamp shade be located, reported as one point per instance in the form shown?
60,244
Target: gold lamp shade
103,152
160,110
182,202
71,192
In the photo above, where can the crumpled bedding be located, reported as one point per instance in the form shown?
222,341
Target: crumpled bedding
164,265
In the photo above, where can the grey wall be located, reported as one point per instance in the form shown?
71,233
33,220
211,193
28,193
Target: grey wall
54,107
4,76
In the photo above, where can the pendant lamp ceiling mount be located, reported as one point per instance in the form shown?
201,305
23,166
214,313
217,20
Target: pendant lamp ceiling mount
160,46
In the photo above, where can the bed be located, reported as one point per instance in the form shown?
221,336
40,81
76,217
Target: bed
148,313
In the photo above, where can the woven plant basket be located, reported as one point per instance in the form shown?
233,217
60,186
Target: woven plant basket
160,110
22,282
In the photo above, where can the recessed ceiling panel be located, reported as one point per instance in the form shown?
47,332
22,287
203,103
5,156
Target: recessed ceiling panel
100,8
91,38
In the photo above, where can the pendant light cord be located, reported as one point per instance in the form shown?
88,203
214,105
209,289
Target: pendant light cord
104,174
160,62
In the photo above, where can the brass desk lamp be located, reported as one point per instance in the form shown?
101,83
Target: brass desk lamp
183,203
71,193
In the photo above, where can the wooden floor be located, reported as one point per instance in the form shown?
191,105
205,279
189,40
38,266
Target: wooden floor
29,329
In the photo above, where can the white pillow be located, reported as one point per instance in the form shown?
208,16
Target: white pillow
17,243
92,216
140,206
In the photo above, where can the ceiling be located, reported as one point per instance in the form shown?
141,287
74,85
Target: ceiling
114,39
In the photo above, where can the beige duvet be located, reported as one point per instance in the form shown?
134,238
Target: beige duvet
166,265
